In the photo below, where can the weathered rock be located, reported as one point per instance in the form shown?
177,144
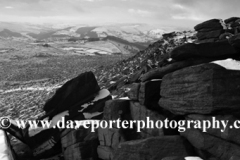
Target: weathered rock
135,76
217,147
229,134
160,72
72,136
105,152
115,109
82,151
110,137
181,158
210,34
210,24
121,82
154,148
218,50
232,19
235,158
225,36
78,90
120,109
234,24
140,112
149,92
208,40
235,41
134,91
202,89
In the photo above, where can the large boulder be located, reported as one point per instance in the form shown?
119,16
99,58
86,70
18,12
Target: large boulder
216,50
154,148
210,34
110,137
202,89
82,150
216,146
72,136
160,72
141,113
105,152
217,129
231,19
78,90
211,24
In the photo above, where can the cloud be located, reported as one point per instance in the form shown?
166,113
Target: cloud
8,7
92,0
140,12
188,17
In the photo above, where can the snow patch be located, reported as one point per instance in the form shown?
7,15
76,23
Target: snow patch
229,64
101,94
193,158
124,98
91,115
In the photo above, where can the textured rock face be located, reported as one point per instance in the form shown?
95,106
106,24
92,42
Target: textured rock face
235,41
80,143
149,92
219,148
232,19
209,25
82,150
160,147
71,136
140,112
202,89
217,50
115,109
159,73
78,90
105,152
210,34
134,91
217,30
228,134
110,138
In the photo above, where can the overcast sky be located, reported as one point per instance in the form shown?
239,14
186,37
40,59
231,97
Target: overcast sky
180,13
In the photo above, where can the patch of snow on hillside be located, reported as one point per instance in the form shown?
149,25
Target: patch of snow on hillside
229,64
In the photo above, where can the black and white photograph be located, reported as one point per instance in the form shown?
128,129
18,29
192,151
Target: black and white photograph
119,80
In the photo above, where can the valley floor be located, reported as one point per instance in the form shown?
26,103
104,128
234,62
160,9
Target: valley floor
30,74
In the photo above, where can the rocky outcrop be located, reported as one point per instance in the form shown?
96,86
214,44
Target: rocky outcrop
141,113
218,129
219,148
160,147
216,30
209,31
170,80
217,50
203,89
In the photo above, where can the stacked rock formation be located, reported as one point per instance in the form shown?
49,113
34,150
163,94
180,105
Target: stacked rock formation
216,30
189,87
185,84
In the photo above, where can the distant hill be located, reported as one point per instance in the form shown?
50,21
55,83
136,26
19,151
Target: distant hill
41,36
122,41
139,36
87,32
7,33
